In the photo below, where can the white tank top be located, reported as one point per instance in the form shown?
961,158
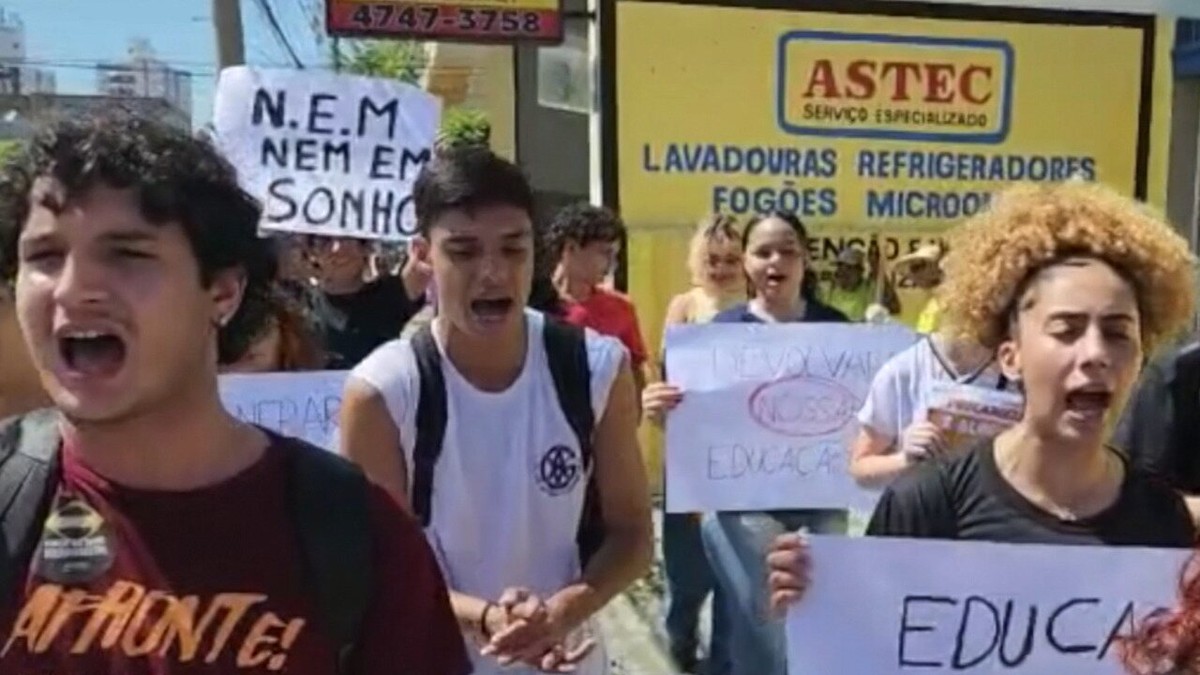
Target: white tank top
508,487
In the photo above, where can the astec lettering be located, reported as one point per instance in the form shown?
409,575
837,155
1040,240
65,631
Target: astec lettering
930,82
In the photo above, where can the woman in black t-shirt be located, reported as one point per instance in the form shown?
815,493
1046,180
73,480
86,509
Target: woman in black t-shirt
1072,285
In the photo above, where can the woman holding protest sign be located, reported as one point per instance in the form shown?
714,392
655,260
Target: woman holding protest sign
783,290
715,264
1072,285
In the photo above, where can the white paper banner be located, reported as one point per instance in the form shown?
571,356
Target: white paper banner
327,154
884,605
769,412
304,405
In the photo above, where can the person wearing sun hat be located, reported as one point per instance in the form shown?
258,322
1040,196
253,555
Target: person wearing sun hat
923,268
859,287
850,291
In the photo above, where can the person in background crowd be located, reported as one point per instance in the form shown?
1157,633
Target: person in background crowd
296,275
718,283
896,432
715,263
583,241
285,344
1160,430
1071,284
855,286
923,270
506,493
20,390
354,316
138,269
776,262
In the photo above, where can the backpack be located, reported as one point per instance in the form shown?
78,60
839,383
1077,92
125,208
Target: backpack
330,502
567,356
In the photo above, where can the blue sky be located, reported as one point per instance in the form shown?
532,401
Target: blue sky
70,36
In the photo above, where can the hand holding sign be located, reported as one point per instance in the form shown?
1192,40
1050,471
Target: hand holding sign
788,568
922,440
660,398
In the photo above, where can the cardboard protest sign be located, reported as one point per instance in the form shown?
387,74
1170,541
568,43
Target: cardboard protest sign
304,405
327,154
885,605
966,413
769,412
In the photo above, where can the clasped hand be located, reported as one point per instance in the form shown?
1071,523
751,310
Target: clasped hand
525,629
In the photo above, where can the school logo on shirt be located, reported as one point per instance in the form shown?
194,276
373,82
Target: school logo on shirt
559,470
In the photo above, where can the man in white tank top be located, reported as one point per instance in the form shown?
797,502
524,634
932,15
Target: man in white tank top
508,486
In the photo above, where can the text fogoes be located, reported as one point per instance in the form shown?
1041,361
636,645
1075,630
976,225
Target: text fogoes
134,621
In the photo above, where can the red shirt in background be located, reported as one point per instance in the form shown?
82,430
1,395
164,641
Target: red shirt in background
609,313
211,581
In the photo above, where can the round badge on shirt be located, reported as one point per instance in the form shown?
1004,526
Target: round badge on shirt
76,544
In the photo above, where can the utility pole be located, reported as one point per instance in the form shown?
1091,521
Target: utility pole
227,22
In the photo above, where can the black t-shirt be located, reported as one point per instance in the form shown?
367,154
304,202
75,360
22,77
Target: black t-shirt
351,326
966,498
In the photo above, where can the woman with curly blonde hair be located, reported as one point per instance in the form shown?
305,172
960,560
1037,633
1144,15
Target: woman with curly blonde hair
1072,285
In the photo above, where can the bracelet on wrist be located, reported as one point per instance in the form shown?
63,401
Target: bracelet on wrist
483,623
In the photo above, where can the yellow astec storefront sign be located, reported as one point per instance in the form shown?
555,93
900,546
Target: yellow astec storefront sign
879,128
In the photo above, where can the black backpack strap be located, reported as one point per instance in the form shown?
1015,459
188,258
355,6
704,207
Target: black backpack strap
431,422
28,462
331,506
567,358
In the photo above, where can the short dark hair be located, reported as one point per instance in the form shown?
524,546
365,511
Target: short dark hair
468,178
176,178
582,224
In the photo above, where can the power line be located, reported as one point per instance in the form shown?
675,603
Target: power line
269,13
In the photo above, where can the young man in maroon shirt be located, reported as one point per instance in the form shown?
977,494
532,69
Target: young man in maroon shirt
584,240
137,269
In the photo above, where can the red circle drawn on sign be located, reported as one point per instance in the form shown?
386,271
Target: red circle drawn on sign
802,405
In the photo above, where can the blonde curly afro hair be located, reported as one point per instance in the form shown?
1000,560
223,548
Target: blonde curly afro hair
1029,226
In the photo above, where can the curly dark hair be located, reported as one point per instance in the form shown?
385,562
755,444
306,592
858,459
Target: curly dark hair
996,254
177,179
582,224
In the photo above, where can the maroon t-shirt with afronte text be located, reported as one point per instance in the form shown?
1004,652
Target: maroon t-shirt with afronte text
212,581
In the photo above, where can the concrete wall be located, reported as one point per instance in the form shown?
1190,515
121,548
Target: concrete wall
552,144
479,77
